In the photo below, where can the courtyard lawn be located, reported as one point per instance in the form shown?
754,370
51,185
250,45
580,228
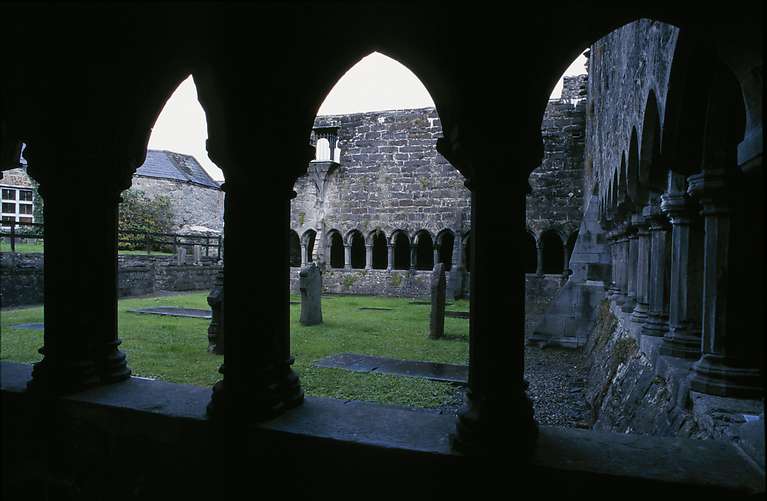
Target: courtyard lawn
37,248
175,349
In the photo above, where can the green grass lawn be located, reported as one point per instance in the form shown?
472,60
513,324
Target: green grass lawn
175,349
37,247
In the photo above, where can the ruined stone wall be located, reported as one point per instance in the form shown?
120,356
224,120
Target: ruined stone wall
556,201
624,67
192,204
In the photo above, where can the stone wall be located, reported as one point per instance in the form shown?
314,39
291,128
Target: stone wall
539,292
624,67
633,389
192,204
21,276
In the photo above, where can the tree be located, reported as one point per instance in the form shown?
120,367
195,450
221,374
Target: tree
140,214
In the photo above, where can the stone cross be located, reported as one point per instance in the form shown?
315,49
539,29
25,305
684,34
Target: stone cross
310,283
438,286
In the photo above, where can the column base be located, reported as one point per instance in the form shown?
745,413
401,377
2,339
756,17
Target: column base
639,315
291,392
629,304
620,298
654,325
114,364
682,343
64,377
717,375
481,427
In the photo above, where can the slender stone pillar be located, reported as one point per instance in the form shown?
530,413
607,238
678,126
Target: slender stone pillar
621,246
631,267
539,251
389,257
435,259
612,237
347,257
732,313
368,257
642,268
566,263
656,322
685,294
304,254
80,341
259,381
413,257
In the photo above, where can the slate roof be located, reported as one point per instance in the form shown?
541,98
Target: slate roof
170,165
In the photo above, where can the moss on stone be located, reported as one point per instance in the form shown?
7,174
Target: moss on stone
395,280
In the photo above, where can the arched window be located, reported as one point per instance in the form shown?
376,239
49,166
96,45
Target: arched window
530,254
380,253
424,251
336,246
401,244
357,242
308,241
445,242
294,249
553,252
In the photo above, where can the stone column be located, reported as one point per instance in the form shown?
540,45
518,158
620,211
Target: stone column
566,264
389,257
435,259
304,254
80,265
642,268
347,257
656,322
258,382
631,266
497,411
685,293
621,246
368,257
732,313
612,237
539,252
413,257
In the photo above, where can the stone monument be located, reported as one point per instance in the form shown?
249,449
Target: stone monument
216,327
438,287
310,283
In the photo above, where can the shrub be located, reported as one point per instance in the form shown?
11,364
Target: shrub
139,213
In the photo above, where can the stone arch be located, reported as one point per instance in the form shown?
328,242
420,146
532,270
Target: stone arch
377,240
400,243
356,242
636,192
445,242
335,249
308,240
650,172
553,250
294,248
424,250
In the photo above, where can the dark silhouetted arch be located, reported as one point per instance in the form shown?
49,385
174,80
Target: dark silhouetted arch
424,253
294,249
380,253
401,251
357,242
445,241
336,246
553,252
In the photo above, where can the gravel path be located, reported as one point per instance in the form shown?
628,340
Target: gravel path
557,379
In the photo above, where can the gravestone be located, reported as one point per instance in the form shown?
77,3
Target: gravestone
180,255
216,327
197,253
438,287
310,283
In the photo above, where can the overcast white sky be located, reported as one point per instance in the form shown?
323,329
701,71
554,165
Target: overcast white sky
376,83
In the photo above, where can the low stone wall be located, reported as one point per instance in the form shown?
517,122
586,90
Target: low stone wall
395,283
21,276
21,279
633,389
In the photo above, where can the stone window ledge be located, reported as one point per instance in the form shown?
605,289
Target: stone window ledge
175,410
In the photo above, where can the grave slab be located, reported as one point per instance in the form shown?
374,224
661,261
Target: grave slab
173,311
374,308
366,363
457,314
36,326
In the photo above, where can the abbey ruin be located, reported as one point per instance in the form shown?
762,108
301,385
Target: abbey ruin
631,209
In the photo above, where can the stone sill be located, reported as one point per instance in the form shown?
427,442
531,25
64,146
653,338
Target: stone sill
177,410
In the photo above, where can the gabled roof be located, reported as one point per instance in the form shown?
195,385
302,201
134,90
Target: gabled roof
170,165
